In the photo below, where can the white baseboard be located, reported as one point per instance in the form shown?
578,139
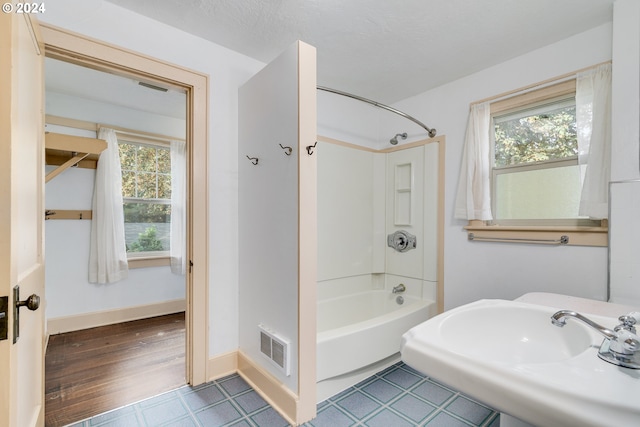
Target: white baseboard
273,391
77,322
222,365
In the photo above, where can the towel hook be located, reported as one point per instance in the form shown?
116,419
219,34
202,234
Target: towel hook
311,147
254,160
288,149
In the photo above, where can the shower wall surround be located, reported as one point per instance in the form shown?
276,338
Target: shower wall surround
362,197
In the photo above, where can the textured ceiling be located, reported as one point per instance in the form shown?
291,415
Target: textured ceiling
386,50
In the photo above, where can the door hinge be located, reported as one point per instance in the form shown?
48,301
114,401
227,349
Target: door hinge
190,266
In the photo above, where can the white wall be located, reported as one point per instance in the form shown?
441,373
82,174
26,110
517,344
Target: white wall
227,70
475,270
268,210
625,91
624,273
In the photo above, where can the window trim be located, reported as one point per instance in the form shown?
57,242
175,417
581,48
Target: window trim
149,261
594,233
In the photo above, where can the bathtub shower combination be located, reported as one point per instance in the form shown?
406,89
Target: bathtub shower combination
378,251
357,330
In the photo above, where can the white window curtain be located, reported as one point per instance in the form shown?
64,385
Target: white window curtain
107,252
178,207
473,200
593,122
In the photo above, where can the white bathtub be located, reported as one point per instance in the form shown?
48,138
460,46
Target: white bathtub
363,328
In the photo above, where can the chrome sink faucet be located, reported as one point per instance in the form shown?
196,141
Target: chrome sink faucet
620,346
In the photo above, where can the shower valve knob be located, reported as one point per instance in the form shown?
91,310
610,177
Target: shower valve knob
401,241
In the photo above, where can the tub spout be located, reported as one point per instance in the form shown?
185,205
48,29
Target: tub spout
399,289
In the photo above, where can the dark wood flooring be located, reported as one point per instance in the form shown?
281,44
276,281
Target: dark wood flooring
96,370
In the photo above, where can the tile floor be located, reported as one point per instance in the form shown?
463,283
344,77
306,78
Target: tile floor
395,397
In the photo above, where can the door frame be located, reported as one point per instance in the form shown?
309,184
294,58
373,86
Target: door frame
81,50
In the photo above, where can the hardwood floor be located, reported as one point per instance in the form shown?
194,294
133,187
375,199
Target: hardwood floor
96,370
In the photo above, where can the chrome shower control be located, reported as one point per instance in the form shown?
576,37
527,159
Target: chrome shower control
401,241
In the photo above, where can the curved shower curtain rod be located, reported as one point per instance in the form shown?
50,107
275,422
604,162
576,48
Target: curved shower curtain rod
430,131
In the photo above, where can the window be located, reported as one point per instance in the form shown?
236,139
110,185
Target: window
146,188
536,179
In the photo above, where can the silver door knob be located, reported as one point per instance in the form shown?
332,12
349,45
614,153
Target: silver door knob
32,303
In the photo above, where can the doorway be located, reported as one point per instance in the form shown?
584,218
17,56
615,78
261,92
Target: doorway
75,49
148,120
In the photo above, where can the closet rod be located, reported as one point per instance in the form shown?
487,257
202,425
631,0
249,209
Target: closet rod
430,131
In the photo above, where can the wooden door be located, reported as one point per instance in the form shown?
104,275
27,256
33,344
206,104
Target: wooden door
21,218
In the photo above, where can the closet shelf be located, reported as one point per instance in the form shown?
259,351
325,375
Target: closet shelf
68,214
66,151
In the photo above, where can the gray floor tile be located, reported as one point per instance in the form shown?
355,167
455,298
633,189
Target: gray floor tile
128,412
412,407
166,410
468,410
235,385
331,417
386,418
203,397
433,393
269,418
218,415
382,390
250,402
442,419
159,398
127,420
402,378
358,405
182,422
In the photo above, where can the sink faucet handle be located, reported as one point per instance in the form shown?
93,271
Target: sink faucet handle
629,321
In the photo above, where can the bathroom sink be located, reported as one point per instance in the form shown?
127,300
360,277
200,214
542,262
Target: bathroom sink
508,355
508,334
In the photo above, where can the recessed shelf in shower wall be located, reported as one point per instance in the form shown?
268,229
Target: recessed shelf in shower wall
403,192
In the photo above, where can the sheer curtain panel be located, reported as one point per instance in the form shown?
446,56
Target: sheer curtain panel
473,200
178,203
593,122
108,253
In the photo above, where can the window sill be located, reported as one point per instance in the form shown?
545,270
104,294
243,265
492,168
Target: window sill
550,235
151,261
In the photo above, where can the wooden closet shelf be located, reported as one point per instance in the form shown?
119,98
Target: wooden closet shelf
68,214
66,151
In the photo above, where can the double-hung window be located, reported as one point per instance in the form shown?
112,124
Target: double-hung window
536,178
146,188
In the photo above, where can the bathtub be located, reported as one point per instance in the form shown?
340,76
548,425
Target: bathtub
363,328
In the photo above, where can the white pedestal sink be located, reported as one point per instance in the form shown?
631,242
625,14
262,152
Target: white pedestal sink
508,355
